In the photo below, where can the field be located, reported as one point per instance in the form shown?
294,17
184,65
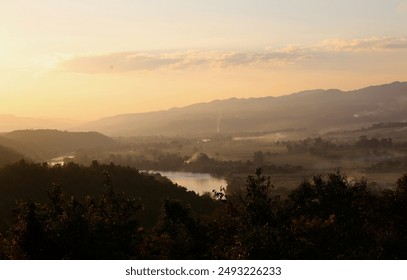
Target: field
377,154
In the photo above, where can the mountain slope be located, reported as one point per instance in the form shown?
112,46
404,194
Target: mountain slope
316,110
8,156
44,144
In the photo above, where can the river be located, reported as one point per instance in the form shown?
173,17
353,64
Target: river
197,182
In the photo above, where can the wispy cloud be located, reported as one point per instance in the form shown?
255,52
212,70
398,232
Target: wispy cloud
178,60
137,61
366,44
122,61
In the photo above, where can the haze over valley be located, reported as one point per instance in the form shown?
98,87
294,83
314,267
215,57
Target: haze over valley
294,136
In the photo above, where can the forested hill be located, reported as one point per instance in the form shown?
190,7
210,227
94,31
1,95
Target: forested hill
327,217
32,181
316,110
43,144
8,156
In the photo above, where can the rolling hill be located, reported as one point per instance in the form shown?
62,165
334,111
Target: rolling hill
44,144
8,156
314,111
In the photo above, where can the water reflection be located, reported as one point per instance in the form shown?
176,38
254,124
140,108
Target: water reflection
197,182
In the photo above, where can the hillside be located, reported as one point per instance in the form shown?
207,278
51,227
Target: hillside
45,144
8,156
29,181
314,111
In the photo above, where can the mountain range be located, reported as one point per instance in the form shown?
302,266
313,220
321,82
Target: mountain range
311,112
314,110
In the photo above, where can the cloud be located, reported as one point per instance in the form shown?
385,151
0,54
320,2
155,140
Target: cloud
139,61
122,62
366,44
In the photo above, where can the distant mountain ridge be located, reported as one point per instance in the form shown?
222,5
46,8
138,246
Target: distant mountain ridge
316,110
10,122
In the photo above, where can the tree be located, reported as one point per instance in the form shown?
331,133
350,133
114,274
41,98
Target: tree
249,228
65,228
257,198
330,218
176,236
258,158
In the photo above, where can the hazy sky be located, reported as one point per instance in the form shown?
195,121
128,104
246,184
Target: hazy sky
87,59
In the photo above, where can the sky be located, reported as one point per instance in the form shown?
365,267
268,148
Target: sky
87,59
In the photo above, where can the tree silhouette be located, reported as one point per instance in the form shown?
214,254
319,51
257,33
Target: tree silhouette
327,217
65,228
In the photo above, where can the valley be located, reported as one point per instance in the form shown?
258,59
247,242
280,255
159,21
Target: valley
189,165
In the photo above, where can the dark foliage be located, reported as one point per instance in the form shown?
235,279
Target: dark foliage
8,156
30,181
65,228
328,217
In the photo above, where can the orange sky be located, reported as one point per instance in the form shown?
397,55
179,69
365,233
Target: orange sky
89,59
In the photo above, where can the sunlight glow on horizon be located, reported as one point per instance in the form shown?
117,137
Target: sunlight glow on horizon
90,59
